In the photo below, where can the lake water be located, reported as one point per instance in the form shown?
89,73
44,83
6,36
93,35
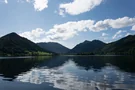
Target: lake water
68,73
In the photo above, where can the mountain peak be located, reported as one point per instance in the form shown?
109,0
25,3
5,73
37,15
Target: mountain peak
13,33
93,41
13,44
86,41
87,46
96,41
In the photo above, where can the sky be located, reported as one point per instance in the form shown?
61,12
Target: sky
68,22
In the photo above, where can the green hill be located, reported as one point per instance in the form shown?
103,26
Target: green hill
125,45
15,45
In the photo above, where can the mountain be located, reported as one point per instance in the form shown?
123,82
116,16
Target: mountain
54,47
87,47
13,44
125,45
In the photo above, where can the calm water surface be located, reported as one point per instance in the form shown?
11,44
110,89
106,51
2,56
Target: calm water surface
68,73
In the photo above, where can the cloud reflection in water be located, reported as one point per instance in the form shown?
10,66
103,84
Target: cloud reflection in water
64,78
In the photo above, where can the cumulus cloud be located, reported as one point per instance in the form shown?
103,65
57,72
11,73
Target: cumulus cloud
122,22
79,6
34,35
39,5
58,32
70,29
114,23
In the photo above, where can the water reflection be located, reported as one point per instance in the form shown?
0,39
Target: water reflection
11,68
72,72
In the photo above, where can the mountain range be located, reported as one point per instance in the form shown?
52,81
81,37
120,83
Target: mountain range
124,46
13,44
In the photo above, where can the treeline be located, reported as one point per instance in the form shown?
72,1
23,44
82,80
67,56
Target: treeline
26,53
122,52
128,52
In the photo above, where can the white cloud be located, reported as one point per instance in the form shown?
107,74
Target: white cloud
71,29
34,35
118,34
4,1
104,34
79,6
58,32
39,5
114,23
133,28
61,12
122,22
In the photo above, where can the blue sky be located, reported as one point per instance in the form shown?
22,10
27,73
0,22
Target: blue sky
68,22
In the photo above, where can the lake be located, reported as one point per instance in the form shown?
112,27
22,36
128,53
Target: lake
68,73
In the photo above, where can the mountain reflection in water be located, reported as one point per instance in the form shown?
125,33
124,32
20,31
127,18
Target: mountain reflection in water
72,72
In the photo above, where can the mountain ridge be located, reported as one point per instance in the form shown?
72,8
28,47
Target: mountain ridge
13,44
124,45
54,47
87,47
